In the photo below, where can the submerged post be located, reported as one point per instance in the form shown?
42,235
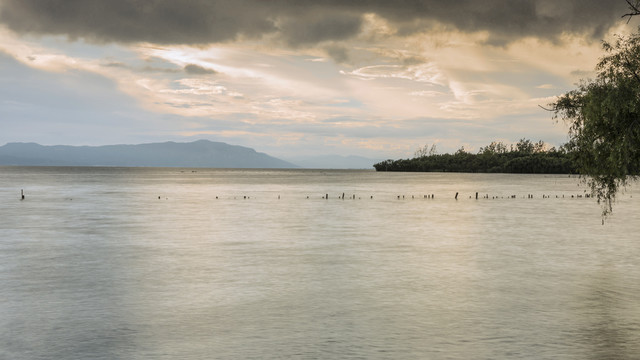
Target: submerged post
21,194
456,196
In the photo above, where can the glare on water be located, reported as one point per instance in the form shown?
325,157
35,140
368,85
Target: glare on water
117,263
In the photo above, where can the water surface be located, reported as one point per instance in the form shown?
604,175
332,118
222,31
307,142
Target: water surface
134,263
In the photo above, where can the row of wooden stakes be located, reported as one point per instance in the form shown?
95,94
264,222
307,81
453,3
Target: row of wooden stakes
432,196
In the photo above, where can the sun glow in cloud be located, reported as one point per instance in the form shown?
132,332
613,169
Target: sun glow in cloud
376,81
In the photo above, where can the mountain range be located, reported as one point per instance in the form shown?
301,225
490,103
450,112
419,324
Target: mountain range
201,153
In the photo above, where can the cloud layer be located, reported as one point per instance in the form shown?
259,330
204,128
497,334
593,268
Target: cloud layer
373,78
302,22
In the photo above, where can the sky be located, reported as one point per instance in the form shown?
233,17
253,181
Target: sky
373,78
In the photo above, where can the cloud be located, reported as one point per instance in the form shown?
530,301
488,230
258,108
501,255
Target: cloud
193,69
115,64
320,27
143,69
71,107
162,21
426,93
303,22
427,73
339,54
198,87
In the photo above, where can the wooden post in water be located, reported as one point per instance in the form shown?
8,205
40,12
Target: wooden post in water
456,196
476,195
21,194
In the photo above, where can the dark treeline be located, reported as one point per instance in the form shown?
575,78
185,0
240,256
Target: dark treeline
523,157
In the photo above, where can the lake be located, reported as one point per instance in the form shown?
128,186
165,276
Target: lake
164,263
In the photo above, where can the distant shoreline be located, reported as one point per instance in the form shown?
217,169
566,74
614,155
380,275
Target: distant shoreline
525,158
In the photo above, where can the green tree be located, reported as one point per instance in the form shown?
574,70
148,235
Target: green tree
525,146
494,148
425,151
603,115
421,151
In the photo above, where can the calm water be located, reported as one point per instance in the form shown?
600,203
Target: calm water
93,265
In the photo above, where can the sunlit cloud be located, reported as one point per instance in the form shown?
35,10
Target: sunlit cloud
426,73
426,93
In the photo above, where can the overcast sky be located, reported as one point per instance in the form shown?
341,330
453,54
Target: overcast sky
373,78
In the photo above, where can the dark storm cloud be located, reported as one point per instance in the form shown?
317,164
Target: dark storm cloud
157,21
314,28
302,22
506,19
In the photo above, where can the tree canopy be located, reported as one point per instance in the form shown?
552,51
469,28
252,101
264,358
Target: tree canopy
523,157
603,115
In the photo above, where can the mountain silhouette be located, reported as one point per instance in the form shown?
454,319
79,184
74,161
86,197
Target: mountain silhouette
201,153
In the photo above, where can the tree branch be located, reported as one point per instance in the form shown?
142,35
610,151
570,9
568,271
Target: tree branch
635,10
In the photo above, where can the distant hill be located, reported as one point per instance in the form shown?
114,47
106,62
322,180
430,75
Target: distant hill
201,153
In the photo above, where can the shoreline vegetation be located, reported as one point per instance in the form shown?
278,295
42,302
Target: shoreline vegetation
525,157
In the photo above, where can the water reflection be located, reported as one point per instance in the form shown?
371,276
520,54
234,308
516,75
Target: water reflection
62,299
610,324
